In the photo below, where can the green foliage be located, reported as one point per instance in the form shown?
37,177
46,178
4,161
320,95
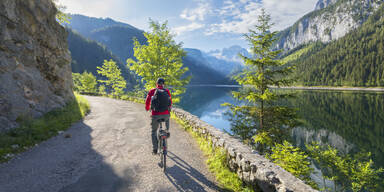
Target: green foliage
353,60
113,80
61,17
217,161
259,111
293,160
85,82
34,131
76,78
352,173
88,82
364,176
161,57
264,142
102,90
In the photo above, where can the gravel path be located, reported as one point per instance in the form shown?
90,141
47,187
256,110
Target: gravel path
110,150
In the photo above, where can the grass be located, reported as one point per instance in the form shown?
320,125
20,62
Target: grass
297,54
33,131
216,161
133,99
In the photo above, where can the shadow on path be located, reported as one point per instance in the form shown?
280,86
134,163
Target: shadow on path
186,178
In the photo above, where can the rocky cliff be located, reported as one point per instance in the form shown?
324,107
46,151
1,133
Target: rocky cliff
321,4
35,72
331,20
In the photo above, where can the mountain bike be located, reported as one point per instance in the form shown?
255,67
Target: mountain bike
162,136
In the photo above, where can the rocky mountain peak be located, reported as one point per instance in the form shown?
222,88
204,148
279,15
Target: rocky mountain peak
331,20
321,4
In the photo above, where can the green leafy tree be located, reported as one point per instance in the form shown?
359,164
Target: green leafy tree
102,90
76,78
160,57
114,80
259,110
88,82
85,82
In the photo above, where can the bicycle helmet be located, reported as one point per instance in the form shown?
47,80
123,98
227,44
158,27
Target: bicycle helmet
160,81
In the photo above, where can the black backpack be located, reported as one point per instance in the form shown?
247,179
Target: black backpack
160,101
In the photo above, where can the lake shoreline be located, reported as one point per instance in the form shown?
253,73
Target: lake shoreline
336,88
381,89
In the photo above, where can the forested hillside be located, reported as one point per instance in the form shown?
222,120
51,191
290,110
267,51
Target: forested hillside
118,38
356,59
87,55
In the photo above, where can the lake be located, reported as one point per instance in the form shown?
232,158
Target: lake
348,120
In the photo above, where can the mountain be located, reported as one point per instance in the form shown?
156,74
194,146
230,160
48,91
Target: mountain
321,4
225,61
86,25
118,38
331,20
200,70
87,55
230,53
357,59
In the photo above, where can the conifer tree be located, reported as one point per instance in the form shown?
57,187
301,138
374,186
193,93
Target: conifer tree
259,113
160,57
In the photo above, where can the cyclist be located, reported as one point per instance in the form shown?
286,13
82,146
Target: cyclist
156,115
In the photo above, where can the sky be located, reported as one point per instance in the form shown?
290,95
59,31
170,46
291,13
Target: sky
201,24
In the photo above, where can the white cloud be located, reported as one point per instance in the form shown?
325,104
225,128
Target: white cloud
241,21
96,8
186,28
238,16
198,13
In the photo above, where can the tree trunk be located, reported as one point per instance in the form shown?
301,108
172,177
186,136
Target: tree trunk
262,115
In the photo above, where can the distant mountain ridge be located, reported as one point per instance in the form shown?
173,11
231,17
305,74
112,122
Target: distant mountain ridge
331,20
86,25
226,61
230,53
118,38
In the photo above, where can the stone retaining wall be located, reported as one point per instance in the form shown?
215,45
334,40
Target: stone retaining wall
250,167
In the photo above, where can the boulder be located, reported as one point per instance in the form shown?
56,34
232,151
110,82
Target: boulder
35,71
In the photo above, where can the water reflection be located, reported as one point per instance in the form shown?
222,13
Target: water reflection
350,121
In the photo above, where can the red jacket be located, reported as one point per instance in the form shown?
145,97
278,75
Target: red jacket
148,101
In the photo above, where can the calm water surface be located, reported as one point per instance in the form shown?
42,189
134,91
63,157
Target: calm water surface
348,120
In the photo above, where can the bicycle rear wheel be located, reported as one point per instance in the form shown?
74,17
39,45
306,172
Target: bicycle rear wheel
164,162
164,154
